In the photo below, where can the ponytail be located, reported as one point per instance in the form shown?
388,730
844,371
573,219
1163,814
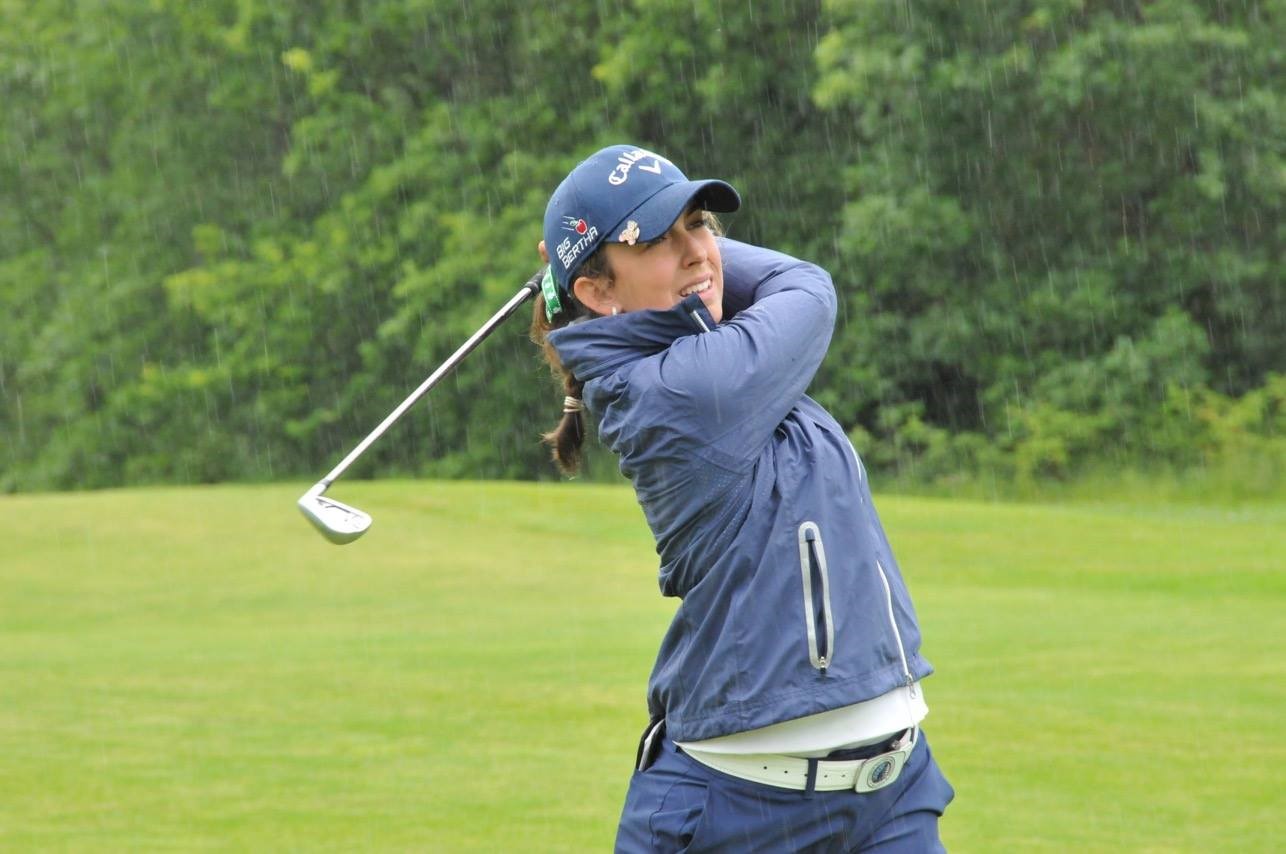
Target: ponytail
566,439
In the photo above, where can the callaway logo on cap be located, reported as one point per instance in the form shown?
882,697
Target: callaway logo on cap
620,194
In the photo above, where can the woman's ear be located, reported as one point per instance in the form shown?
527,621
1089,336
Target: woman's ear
593,294
544,253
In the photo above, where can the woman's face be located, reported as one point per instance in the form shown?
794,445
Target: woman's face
660,273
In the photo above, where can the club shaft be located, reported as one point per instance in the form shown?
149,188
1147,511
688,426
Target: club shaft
527,292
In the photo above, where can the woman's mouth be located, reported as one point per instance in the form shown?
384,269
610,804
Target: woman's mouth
699,287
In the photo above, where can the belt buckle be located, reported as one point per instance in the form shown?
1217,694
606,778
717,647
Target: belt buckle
880,771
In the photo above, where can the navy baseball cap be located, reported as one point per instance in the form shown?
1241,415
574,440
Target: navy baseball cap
621,194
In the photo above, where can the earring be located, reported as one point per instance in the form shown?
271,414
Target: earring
616,309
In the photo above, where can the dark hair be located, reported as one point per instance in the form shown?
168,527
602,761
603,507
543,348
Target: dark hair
566,439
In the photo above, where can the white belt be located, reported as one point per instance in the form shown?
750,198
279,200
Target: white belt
791,772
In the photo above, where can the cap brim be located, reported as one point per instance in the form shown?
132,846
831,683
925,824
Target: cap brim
655,216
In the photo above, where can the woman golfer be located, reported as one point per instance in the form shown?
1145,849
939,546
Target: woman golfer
785,700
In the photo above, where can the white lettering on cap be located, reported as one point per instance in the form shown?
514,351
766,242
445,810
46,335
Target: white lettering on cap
568,251
626,161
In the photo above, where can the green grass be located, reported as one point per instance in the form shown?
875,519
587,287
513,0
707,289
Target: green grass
196,669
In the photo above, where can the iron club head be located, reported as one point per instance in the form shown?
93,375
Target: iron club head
337,522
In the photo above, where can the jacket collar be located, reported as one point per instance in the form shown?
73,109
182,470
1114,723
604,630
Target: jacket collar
595,347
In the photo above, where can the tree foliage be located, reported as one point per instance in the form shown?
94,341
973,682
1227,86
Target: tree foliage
233,235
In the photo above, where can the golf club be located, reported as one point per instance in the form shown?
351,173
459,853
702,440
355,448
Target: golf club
341,523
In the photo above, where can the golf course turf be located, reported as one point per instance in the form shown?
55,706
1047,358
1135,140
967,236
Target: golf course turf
193,668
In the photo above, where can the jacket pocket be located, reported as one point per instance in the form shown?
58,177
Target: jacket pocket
818,622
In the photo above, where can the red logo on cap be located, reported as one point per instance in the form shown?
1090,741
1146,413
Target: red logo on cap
579,226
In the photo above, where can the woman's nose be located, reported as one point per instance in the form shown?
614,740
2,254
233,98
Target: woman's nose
694,251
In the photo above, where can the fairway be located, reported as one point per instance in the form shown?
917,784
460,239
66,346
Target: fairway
193,669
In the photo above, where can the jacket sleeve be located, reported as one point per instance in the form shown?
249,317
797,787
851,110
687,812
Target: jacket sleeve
736,382
747,268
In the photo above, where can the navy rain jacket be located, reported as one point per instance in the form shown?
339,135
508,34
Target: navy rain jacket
792,601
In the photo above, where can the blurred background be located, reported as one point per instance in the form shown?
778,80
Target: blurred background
234,234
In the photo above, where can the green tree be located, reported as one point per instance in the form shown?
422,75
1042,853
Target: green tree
234,234
1037,183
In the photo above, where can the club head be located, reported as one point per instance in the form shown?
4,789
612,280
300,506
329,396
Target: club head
337,522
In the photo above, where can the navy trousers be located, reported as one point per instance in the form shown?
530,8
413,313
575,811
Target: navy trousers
680,805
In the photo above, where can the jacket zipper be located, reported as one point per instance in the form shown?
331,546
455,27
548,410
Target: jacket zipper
897,635
888,592
818,621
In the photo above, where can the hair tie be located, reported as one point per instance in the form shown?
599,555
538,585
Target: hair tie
572,405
